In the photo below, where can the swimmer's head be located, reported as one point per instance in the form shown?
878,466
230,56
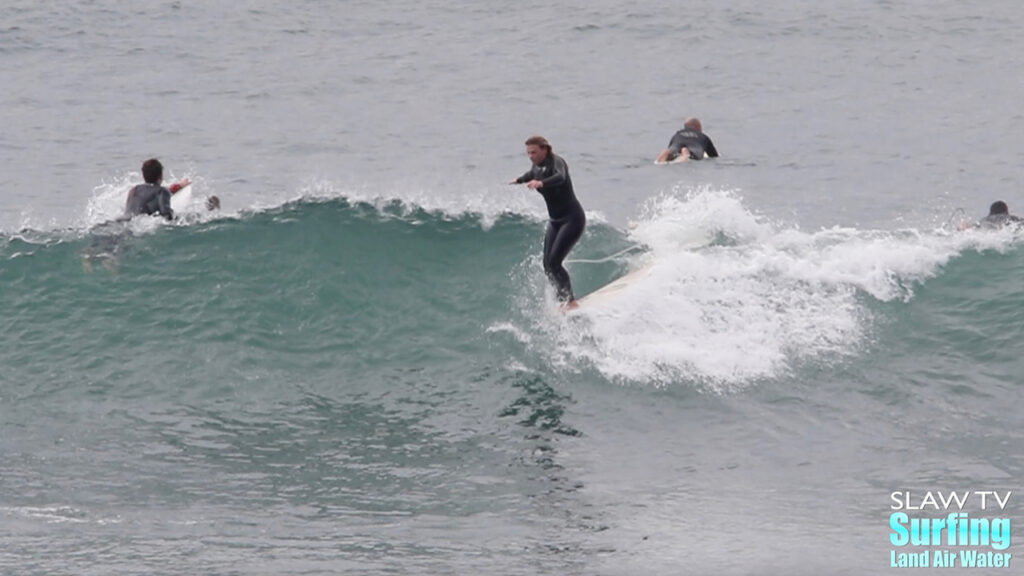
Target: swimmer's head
152,171
998,207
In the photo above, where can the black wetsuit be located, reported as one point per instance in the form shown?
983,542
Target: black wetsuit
566,219
1000,220
149,199
693,140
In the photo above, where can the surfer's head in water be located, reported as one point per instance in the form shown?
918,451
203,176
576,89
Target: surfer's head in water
538,148
212,203
152,171
693,123
998,216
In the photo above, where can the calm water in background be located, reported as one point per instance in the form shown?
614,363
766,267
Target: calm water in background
828,114
348,371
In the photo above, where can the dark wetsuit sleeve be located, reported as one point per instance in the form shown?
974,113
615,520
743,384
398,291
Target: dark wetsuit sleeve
709,147
525,177
675,146
558,172
164,202
680,140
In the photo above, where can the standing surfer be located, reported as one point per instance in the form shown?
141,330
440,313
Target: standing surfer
549,176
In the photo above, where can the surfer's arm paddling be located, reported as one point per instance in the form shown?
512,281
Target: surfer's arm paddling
709,147
178,186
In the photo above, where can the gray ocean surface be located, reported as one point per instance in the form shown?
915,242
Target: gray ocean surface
356,366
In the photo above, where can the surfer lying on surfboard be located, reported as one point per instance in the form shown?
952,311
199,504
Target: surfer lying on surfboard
689,143
109,238
152,198
998,217
549,176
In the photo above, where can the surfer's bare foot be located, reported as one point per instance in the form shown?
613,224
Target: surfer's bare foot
570,305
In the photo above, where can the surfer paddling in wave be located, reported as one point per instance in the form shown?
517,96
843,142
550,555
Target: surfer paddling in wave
549,176
152,198
109,238
689,143
999,216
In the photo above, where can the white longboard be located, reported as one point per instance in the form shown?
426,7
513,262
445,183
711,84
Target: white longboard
615,288
678,159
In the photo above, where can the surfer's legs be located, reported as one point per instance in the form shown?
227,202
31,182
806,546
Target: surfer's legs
559,239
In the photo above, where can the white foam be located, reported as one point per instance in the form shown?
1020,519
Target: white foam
754,303
511,329
55,514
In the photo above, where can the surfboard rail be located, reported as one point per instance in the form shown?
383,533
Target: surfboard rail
616,287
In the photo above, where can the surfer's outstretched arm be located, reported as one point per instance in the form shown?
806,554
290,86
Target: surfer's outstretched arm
524,178
179,186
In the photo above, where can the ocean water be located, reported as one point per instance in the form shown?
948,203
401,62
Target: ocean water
356,366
